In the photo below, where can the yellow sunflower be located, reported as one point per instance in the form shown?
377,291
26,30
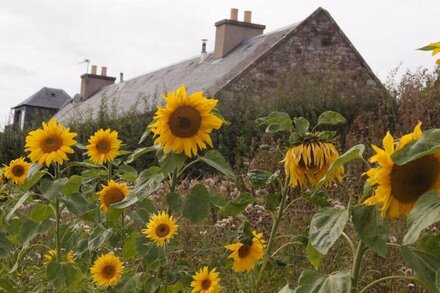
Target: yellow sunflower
184,124
107,270
206,281
161,228
103,146
111,193
399,187
51,254
307,163
17,171
50,144
246,255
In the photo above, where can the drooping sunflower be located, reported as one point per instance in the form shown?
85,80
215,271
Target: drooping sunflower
17,171
161,228
52,254
245,256
50,144
111,193
206,281
399,187
184,124
103,146
107,270
307,163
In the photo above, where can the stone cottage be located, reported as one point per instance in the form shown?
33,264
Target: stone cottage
245,60
39,107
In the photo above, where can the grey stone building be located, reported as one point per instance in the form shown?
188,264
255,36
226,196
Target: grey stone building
245,60
39,107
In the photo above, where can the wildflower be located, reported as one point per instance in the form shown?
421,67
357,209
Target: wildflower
17,171
111,193
184,124
161,228
307,163
399,187
50,144
246,255
103,146
206,281
107,270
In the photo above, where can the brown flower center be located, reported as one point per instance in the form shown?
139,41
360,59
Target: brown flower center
185,121
103,146
18,171
113,195
244,250
108,271
206,284
51,144
410,181
162,230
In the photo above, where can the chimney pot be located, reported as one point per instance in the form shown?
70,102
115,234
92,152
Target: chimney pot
104,71
234,14
248,16
121,77
94,68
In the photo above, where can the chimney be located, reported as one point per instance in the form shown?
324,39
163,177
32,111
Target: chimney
121,77
231,32
203,54
92,82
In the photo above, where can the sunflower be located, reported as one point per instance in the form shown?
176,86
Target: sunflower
111,193
161,228
206,281
50,144
103,146
185,122
246,255
107,270
307,163
17,171
399,187
51,254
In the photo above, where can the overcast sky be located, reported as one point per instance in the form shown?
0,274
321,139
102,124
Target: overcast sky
42,41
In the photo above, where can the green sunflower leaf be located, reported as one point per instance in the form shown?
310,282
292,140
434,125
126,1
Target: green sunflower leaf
425,263
63,275
259,178
72,186
371,228
281,119
196,204
425,213
237,205
174,201
32,180
428,144
428,48
170,161
326,227
5,246
313,256
7,286
54,189
215,159
331,118
302,125
314,282
145,134
98,238
354,153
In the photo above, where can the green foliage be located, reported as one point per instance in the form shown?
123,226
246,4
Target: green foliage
314,282
326,227
371,228
196,204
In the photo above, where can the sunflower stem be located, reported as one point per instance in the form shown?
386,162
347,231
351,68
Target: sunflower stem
273,232
357,265
109,169
174,180
58,218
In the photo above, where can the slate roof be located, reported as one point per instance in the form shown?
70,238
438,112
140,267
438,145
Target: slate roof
49,98
210,76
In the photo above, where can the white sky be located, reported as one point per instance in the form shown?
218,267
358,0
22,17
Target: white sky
42,41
